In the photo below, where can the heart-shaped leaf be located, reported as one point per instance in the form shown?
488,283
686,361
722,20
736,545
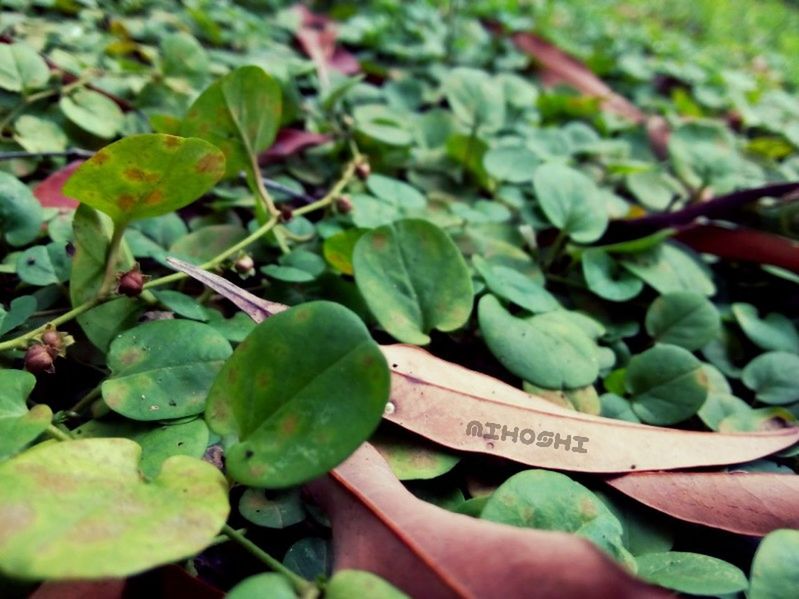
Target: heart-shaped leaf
570,201
551,354
772,376
21,68
18,425
93,112
607,278
667,383
298,395
163,369
414,279
19,310
80,509
240,114
691,573
775,332
146,175
683,318
514,286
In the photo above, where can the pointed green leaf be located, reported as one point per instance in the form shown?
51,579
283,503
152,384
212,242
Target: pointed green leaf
302,391
146,175
240,114
691,573
18,425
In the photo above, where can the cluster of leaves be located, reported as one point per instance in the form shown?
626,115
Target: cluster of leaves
445,198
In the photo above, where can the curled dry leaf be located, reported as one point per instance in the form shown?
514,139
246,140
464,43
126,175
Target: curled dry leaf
751,503
469,411
429,552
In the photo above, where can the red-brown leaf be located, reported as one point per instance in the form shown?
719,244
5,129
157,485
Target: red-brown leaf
746,503
49,193
290,142
429,552
317,38
438,400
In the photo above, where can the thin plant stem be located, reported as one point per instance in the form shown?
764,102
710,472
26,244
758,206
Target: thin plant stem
57,433
555,251
68,153
260,189
300,584
65,317
111,260
86,400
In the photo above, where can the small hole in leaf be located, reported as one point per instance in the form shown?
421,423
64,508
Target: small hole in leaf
248,454
30,261
180,443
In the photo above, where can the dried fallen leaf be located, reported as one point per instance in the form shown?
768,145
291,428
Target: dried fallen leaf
746,503
290,142
468,411
317,37
49,192
429,552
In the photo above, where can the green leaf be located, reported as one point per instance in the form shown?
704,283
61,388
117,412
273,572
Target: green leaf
414,279
515,286
346,584
775,332
21,68
261,586
615,406
513,164
300,266
607,279
772,376
668,268
81,509
683,318
163,369
475,98
381,124
92,112
570,201
548,500
43,265
272,509
203,244
39,135
775,569
309,557
181,304
240,114
21,214
703,153
667,383
644,531
395,192
691,573
413,459
158,441
754,420
18,425
319,395
338,249
19,310
146,175
553,354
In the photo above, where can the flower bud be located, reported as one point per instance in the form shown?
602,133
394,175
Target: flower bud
131,283
344,204
55,342
286,213
244,265
39,359
363,169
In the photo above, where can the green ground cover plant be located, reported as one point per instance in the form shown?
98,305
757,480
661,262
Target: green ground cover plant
377,300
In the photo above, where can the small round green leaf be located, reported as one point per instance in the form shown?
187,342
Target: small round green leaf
691,573
21,68
773,377
93,112
514,164
262,586
81,509
550,353
515,286
39,135
552,501
347,584
163,369
570,201
668,268
240,114
302,391
411,458
475,98
18,425
272,509
775,569
309,557
775,332
21,214
146,175
414,279
607,279
667,383
683,318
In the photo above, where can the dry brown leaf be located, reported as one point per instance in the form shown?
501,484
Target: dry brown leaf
317,37
468,411
751,503
429,552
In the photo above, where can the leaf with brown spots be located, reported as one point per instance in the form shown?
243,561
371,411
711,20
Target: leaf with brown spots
429,552
240,114
81,509
146,175
299,394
